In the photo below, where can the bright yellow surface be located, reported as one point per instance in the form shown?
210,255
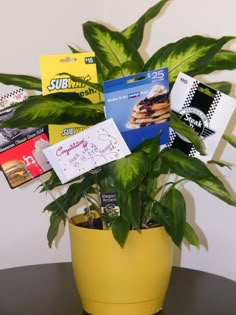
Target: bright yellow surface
55,78
121,281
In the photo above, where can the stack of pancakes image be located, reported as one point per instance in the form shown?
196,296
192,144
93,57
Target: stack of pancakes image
154,109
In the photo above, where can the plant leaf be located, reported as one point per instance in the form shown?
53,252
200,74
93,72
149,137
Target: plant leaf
175,208
112,48
72,196
52,182
185,130
190,235
96,86
223,60
194,170
73,50
130,207
150,146
127,69
57,108
55,221
120,230
134,32
188,55
23,81
171,213
129,171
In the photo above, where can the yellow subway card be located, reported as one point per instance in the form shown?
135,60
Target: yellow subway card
56,72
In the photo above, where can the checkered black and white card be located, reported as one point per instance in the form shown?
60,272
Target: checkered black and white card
205,109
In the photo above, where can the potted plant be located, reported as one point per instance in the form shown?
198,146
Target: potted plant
148,197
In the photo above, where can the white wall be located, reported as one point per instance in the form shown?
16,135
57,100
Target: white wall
46,27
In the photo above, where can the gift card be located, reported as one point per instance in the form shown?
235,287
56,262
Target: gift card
21,156
83,152
25,161
55,70
206,110
139,105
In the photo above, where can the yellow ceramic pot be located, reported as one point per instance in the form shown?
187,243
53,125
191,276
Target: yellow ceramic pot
121,281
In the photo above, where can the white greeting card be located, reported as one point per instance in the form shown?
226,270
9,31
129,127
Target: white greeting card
93,147
205,109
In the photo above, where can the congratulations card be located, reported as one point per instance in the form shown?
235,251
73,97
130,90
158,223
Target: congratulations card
96,146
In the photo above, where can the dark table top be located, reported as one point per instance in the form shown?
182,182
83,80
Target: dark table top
50,290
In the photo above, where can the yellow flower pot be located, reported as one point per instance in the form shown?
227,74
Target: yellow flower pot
121,281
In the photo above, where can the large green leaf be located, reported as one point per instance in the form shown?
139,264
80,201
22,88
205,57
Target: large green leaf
134,32
24,81
223,60
187,55
195,170
174,203
150,146
120,230
129,171
126,69
58,108
112,48
171,213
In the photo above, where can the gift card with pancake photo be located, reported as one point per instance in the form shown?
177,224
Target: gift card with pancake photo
139,105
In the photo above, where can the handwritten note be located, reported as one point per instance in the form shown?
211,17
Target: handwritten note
93,147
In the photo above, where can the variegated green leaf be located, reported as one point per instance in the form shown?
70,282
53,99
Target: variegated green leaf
112,48
187,55
127,69
57,108
223,60
96,86
102,71
150,146
129,171
23,81
134,32
185,130
195,170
